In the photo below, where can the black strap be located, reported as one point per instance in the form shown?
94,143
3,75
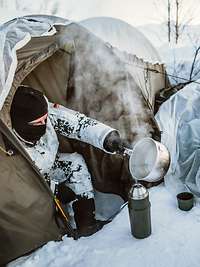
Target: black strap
9,146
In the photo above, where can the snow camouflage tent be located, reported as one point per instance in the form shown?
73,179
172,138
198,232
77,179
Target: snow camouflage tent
178,119
123,36
75,68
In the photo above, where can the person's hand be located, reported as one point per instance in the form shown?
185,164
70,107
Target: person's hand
113,143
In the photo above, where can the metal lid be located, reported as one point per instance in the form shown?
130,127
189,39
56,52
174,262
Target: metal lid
138,191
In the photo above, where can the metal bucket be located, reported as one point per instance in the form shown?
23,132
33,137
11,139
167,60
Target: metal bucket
149,160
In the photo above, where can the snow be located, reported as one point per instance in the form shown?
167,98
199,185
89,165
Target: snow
174,241
8,14
175,234
123,36
178,58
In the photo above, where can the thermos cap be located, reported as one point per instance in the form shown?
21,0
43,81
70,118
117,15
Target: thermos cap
138,191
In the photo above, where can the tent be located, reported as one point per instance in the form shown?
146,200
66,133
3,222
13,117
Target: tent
77,69
123,36
178,118
127,38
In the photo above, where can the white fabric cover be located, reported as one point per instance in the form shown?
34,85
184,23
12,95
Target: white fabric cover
179,120
123,36
13,36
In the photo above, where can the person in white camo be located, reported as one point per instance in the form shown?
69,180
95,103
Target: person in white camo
36,122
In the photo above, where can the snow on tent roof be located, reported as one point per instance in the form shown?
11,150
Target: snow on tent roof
14,35
123,36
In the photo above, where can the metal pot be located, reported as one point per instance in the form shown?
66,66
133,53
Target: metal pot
149,160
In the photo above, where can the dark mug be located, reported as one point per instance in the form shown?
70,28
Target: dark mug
185,201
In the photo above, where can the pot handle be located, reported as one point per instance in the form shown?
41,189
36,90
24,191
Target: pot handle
128,151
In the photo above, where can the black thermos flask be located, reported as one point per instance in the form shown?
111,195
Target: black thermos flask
139,211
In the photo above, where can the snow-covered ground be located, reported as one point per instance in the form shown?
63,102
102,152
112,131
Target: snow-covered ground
174,241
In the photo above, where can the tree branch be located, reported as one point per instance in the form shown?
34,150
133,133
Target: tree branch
194,61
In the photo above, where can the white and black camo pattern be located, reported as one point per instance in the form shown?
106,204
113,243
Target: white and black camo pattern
75,125
72,169
67,167
63,127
